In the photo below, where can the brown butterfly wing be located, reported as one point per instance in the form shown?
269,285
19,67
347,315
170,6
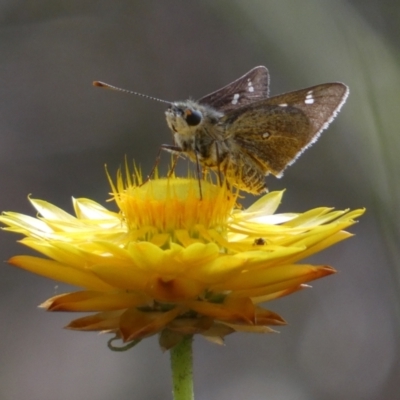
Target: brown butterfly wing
275,131
251,87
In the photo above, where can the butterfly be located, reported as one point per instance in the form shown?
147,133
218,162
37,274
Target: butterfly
243,133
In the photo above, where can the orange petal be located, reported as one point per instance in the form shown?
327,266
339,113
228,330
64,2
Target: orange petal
288,285
267,317
95,301
276,294
108,321
137,324
235,310
250,328
190,326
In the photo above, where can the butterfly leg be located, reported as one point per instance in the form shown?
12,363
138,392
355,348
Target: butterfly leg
218,163
175,158
199,174
157,161
177,151
172,149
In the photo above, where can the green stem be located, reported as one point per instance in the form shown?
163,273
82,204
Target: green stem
182,370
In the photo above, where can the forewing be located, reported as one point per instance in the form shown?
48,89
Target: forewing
248,89
275,131
319,103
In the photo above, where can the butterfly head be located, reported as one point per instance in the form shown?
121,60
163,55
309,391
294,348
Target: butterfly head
184,118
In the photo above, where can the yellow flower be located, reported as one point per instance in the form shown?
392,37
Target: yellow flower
172,263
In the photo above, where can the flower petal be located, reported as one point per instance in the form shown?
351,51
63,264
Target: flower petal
135,324
274,275
95,301
59,272
90,210
122,277
51,212
105,321
233,310
174,289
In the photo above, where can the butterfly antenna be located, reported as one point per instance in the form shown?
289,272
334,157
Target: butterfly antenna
107,86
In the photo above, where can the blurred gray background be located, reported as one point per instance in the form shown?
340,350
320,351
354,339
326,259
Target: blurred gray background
57,132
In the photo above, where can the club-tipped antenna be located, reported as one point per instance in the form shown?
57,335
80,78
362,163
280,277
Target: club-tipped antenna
107,86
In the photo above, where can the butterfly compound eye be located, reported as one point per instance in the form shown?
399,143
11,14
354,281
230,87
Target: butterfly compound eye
192,117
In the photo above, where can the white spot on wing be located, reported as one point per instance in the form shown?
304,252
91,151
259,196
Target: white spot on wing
266,135
309,97
324,126
282,105
250,86
235,99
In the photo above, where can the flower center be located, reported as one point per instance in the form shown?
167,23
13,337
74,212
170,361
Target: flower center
167,205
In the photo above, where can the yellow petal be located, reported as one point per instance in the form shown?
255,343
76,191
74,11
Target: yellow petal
60,272
319,246
174,289
199,254
122,277
273,275
89,209
149,257
51,212
266,205
219,270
